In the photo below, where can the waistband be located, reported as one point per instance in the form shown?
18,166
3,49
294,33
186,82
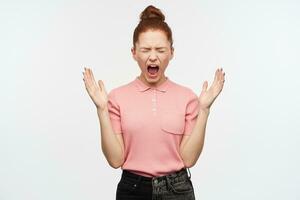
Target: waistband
178,173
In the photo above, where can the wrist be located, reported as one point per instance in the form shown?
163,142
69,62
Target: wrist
204,110
102,109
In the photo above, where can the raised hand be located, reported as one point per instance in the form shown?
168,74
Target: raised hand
207,97
95,90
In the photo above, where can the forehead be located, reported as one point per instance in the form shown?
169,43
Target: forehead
153,38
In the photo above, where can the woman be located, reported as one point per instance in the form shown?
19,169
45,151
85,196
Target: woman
152,127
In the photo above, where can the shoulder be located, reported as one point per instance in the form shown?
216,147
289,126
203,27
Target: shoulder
183,90
121,89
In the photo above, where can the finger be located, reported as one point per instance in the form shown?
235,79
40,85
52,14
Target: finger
204,86
223,78
84,75
85,79
92,77
220,74
88,77
86,71
100,84
216,75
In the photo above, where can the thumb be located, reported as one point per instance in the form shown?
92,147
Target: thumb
204,86
101,84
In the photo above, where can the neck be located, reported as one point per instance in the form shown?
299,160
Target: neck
162,79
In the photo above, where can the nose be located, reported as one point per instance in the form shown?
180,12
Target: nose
152,56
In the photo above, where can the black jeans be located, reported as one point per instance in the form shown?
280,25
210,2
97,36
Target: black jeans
174,186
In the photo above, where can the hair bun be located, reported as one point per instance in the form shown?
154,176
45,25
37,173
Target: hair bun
152,12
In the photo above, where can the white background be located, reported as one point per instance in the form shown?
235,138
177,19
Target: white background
50,134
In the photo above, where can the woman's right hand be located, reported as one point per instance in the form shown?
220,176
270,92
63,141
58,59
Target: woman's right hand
95,90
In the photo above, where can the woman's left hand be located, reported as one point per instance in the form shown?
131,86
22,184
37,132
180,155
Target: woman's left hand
207,97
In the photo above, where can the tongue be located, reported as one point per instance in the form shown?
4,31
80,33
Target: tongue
153,70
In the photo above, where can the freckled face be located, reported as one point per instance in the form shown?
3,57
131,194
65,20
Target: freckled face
152,53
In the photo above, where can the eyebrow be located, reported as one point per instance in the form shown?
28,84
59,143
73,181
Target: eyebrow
155,48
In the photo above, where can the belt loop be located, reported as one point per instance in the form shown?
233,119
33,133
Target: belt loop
189,176
137,183
168,185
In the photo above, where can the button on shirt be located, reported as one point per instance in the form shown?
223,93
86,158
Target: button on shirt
152,121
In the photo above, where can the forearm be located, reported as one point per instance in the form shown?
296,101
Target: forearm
191,150
111,147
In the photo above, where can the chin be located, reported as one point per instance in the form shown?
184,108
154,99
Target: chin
152,80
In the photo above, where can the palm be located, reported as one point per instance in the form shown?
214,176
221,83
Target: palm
96,91
207,97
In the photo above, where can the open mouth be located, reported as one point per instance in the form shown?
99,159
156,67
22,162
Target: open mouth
153,69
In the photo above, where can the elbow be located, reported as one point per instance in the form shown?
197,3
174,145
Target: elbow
116,164
189,164
187,161
114,161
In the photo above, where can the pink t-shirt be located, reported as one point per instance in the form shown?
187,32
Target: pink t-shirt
152,121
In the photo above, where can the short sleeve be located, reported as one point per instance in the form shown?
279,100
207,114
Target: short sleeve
191,114
114,112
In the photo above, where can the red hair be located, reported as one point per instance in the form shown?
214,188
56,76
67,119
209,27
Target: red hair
152,19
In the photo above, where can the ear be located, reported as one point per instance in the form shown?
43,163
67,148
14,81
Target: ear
172,52
133,52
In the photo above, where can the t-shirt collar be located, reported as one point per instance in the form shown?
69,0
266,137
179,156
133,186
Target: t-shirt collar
141,86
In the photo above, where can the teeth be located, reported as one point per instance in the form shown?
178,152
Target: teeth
152,65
